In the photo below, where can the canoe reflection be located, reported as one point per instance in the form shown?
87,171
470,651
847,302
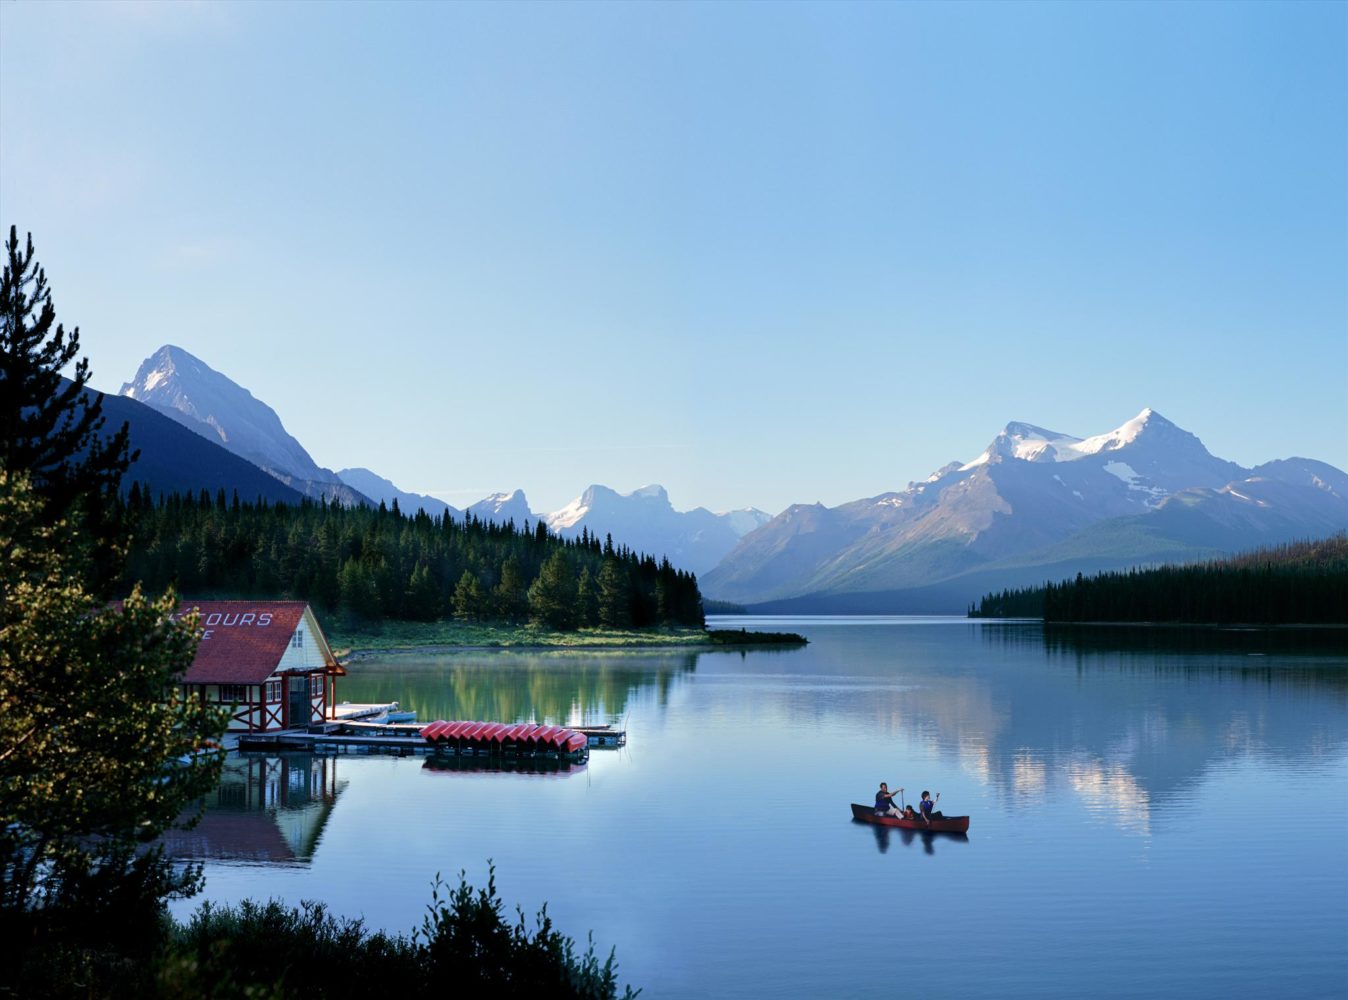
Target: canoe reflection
884,835
453,764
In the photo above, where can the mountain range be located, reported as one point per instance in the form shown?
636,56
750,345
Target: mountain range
177,385
1035,504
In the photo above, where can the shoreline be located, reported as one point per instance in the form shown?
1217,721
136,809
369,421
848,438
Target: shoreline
434,641
369,652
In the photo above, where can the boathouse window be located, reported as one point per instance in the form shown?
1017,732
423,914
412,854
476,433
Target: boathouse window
273,690
233,692
297,640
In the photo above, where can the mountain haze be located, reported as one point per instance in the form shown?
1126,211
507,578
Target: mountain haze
378,488
645,520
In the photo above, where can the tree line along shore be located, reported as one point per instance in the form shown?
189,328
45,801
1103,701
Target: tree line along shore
389,580
379,563
1300,583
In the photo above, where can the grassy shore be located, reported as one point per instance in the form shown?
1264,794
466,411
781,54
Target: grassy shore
387,635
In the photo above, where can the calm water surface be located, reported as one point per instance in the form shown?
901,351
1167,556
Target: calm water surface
1154,813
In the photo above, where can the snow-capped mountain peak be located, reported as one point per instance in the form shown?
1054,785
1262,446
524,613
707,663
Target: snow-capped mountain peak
211,404
1119,437
1029,443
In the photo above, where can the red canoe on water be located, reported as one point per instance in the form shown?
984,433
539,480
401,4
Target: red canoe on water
946,824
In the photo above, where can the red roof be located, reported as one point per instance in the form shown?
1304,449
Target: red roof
243,641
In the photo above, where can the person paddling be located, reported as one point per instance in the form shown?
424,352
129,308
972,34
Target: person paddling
928,807
884,801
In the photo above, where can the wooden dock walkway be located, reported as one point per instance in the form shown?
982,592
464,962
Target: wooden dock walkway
347,735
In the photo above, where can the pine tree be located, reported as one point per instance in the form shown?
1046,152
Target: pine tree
552,598
510,597
614,596
50,429
422,602
468,598
587,600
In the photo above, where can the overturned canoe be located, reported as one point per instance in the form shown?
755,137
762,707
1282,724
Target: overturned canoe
944,824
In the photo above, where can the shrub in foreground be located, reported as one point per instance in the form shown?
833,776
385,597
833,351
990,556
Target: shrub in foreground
465,947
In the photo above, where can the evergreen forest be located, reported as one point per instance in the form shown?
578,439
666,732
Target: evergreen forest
1299,583
381,563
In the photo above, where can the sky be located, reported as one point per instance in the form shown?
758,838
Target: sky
758,253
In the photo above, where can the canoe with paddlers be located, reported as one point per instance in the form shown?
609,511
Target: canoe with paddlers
938,824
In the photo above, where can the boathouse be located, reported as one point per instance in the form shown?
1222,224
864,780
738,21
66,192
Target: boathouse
269,660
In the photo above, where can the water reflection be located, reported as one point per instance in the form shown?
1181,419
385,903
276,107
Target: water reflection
454,764
266,810
884,836
1125,722
550,688
1130,719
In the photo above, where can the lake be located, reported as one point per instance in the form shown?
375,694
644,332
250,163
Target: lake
1155,812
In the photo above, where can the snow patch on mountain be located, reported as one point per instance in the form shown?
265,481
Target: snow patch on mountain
568,515
1120,437
745,520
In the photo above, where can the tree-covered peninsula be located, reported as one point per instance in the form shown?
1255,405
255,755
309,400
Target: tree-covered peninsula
366,563
1302,583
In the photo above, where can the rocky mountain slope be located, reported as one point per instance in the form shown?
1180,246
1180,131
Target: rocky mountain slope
203,400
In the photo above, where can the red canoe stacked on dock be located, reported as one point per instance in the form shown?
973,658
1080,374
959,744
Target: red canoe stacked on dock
497,737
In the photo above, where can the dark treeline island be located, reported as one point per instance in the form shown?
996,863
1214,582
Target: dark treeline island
1302,583
381,563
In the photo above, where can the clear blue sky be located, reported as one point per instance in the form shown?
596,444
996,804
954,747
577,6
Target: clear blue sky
759,253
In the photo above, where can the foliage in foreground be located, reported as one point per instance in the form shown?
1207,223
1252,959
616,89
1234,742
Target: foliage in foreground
99,750
1304,583
465,947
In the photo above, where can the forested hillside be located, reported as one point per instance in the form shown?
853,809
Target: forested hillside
380,563
1300,583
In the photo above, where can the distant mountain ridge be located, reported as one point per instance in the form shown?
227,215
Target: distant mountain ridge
203,400
502,508
1035,502
645,520
377,488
